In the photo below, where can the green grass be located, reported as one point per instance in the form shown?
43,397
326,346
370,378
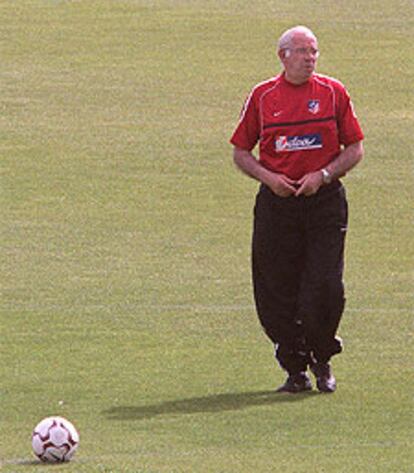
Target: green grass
126,296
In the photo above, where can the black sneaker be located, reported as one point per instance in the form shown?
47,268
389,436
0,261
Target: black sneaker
325,380
296,383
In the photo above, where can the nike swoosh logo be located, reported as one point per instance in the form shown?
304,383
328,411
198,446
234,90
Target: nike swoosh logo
276,114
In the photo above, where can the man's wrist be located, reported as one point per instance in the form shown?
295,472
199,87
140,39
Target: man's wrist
326,176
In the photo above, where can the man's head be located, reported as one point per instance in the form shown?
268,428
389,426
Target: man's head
298,52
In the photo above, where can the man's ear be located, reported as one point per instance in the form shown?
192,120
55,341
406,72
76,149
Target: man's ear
283,54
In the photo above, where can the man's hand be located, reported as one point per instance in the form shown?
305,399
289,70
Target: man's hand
281,185
309,184
349,157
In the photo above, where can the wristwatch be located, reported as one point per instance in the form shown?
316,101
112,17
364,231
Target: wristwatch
326,177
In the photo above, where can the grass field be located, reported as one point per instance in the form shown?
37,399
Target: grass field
126,296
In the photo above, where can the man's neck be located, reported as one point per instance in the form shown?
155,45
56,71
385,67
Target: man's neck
296,80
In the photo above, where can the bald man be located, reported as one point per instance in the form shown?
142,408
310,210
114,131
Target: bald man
308,137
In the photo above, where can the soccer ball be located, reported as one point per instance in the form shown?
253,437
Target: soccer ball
54,440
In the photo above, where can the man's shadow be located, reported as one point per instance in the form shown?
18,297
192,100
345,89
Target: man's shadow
213,403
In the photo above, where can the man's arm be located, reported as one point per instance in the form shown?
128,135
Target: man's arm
248,164
346,160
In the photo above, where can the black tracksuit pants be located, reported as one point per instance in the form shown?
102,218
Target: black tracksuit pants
297,263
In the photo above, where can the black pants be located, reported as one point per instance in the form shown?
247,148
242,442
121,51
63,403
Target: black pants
297,262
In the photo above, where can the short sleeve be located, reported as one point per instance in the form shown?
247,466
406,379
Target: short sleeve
247,132
348,125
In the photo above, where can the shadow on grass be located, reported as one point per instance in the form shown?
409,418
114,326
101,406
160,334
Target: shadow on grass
212,404
30,463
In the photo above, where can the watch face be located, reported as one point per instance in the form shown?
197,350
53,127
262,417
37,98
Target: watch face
326,176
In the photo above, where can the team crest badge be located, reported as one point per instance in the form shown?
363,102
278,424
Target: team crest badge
313,106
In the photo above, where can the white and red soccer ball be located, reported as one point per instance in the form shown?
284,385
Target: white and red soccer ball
55,440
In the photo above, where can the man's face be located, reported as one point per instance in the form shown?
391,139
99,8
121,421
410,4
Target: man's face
301,59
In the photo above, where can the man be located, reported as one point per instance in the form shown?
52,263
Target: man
308,138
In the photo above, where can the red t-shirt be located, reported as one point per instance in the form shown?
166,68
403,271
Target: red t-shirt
300,128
